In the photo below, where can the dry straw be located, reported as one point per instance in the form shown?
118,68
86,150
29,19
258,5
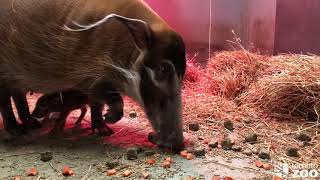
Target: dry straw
290,87
285,86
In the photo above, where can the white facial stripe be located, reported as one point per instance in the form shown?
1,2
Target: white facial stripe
132,89
126,73
152,76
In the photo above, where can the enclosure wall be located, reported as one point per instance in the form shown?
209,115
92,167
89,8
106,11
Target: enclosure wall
252,21
270,26
298,26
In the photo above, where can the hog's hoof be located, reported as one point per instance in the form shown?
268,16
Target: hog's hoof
171,148
112,118
153,138
104,131
178,148
166,146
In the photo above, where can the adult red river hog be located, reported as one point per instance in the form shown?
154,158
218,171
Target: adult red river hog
103,48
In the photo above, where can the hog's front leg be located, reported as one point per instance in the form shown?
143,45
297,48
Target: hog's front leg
105,93
9,120
22,106
97,120
115,104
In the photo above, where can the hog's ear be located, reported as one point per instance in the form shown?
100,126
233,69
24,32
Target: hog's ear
140,31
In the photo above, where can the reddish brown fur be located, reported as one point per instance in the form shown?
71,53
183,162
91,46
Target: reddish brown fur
31,26
37,54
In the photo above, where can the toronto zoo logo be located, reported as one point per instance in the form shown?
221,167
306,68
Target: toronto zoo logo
296,170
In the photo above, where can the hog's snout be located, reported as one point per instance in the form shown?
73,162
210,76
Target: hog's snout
174,142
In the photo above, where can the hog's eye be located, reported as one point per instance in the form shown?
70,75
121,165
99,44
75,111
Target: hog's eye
165,67
162,69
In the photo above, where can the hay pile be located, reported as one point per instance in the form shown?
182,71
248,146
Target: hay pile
286,86
289,89
209,93
193,71
230,73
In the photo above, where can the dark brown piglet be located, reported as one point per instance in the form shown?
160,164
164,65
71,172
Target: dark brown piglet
64,103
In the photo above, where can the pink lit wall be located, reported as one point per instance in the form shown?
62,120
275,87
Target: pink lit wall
270,26
189,17
247,18
298,26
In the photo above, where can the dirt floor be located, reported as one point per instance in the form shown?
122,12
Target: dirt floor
90,156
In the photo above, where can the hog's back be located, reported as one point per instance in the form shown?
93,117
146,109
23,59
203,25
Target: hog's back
37,54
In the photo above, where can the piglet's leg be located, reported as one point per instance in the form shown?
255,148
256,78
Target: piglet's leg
60,123
83,113
115,112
